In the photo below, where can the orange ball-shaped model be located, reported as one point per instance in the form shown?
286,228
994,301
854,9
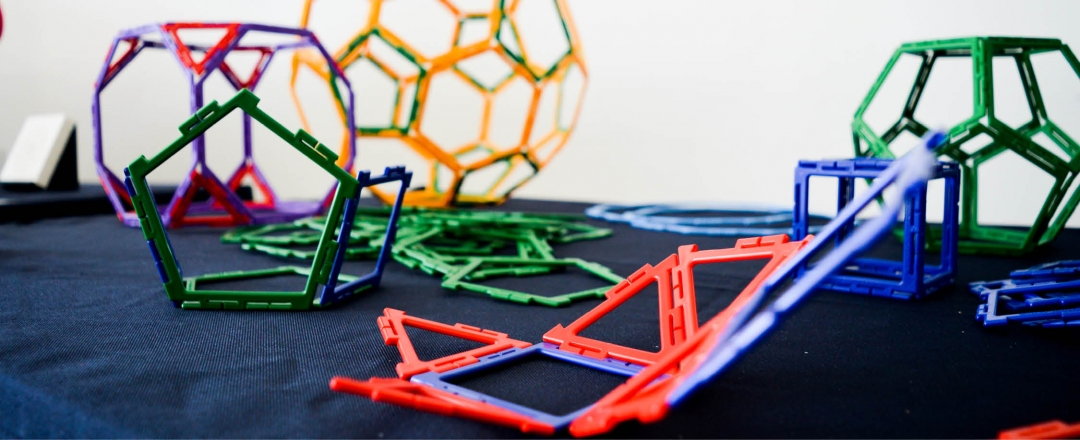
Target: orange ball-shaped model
481,93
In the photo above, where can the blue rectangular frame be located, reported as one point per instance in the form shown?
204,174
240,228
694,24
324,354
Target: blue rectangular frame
910,278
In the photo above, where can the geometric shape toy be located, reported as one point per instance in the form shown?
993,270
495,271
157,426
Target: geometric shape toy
425,398
392,325
755,320
443,380
433,391
1047,304
322,277
1060,158
224,208
678,304
1057,270
643,396
651,390
490,67
730,220
528,266
910,278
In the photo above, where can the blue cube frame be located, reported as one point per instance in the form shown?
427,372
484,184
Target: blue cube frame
910,278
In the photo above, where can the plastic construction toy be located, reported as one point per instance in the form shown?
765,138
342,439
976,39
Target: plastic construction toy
689,355
514,67
1046,295
427,385
464,248
1057,270
474,268
753,321
729,221
910,278
1039,305
224,202
1053,429
322,287
1056,157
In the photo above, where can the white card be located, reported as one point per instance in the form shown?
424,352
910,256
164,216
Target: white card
37,149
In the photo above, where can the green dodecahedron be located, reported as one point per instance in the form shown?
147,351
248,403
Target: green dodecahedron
1062,166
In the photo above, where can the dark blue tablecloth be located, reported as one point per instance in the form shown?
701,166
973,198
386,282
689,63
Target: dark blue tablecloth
90,347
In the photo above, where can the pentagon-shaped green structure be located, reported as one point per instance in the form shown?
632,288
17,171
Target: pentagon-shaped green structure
1058,158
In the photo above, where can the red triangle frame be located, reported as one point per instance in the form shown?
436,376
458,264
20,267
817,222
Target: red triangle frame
678,304
644,396
184,52
256,73
247,169
117,62
218,193
392,325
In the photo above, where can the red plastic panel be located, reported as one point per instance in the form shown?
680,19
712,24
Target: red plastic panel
393,322
1047,430
678,309
644,396
569,339
425,398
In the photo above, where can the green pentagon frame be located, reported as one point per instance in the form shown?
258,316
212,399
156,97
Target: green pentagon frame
394,126
524,267
182,291
976,238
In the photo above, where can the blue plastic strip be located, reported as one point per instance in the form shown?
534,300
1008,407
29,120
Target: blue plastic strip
606,212
1057,270
732,225
372,279
439,380
750,324
327,293
990,316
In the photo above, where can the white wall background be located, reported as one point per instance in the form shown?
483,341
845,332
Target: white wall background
687,100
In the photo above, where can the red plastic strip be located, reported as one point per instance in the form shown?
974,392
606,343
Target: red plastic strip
1045,430
393,322
425,398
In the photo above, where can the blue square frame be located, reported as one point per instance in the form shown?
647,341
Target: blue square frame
910,278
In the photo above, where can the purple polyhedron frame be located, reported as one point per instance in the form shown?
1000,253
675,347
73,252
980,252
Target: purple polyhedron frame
197,74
